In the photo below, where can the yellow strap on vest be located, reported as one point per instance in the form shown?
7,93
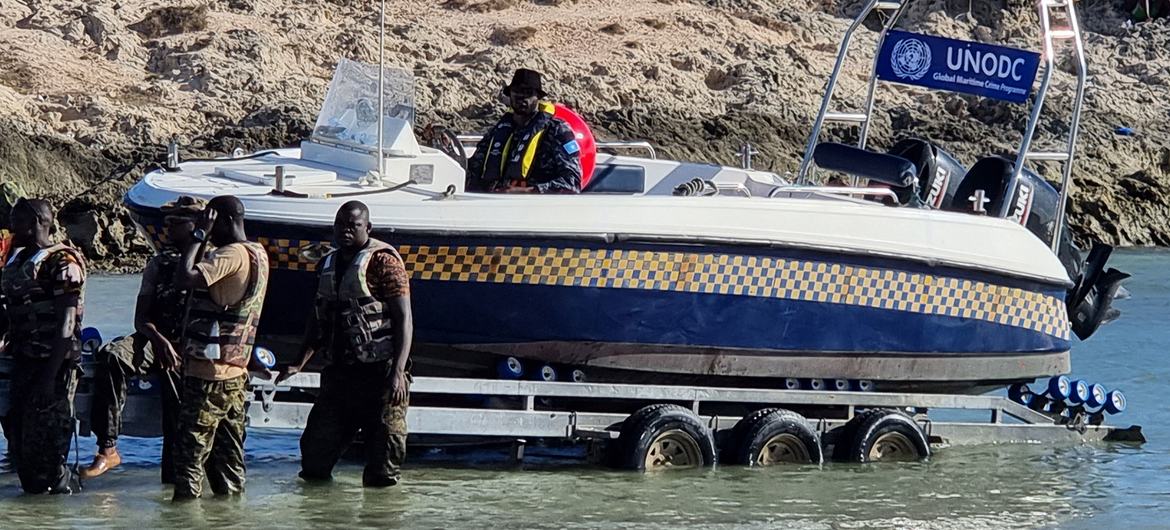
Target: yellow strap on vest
503,155
530,154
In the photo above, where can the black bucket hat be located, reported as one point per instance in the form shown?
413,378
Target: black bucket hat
525,78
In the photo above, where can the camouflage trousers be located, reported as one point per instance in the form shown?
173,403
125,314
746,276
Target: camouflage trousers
115,365
355,398
210,437
39,431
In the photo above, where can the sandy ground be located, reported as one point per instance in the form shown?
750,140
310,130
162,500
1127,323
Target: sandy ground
89,91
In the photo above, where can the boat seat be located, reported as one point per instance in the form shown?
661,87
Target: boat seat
887,169
617,178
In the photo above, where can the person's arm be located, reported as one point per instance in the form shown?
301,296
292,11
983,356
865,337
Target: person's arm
3,323
559,159
390,283
187,275
69,280
476,162
402,326
163,350
310,343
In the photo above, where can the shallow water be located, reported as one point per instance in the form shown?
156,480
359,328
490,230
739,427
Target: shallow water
1109,485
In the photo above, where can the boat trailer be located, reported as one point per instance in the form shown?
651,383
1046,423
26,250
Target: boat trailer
656,426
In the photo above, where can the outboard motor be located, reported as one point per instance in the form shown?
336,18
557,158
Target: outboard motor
1034,204
1090,300
939,173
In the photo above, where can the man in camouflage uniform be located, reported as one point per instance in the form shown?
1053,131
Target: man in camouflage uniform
151,350
528,150
362,326
41,296
229,287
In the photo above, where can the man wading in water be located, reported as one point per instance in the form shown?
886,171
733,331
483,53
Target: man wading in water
229,287
42,288
362,326
151,349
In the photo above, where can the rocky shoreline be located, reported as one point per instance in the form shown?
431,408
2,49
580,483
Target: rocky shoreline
91,92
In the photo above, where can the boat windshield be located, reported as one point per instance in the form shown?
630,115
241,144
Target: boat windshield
349,114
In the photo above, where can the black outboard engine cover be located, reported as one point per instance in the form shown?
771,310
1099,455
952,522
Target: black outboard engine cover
1032,204
939,173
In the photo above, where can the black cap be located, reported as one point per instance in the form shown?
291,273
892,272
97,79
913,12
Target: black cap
525,78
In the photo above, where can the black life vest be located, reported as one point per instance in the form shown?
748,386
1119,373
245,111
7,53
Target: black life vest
166,310
512,150
28,294
226,334
345,304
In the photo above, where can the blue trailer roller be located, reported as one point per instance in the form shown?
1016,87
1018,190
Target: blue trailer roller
863,385
1020,393
1097,396
841,385
1059,388
1115,402
546,373
265,357
813,384
509,368
577,376
91,340
1080,392
792,383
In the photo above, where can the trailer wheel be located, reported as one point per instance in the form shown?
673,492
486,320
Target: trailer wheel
775,436
664,436
882,435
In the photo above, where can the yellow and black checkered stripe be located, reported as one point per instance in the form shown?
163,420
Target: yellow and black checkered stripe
728,274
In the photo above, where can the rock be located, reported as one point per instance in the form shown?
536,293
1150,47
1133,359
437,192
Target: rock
84,230
508,36
171,21
10,192
614,29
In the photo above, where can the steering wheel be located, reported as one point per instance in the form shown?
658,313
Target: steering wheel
441,138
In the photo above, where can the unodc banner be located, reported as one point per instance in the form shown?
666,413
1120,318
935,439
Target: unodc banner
960,66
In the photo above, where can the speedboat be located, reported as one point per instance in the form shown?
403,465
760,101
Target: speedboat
905,269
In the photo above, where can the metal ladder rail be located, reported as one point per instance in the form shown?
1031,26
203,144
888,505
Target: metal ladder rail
1066,182
842,52
1044,11
863,134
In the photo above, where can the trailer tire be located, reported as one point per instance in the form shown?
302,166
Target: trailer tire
775,436
882,435
845,436
663,436
729,444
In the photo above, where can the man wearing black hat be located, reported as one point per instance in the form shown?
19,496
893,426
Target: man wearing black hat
528,150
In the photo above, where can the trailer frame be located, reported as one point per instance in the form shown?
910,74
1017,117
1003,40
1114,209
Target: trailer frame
521,411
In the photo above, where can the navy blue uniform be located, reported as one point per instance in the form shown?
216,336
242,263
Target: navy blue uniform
542,154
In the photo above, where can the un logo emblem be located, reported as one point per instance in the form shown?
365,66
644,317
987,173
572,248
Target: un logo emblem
910,59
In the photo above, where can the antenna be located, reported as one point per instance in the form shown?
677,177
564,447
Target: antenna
381,87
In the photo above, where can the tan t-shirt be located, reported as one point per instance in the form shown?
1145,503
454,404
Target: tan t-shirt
225,270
